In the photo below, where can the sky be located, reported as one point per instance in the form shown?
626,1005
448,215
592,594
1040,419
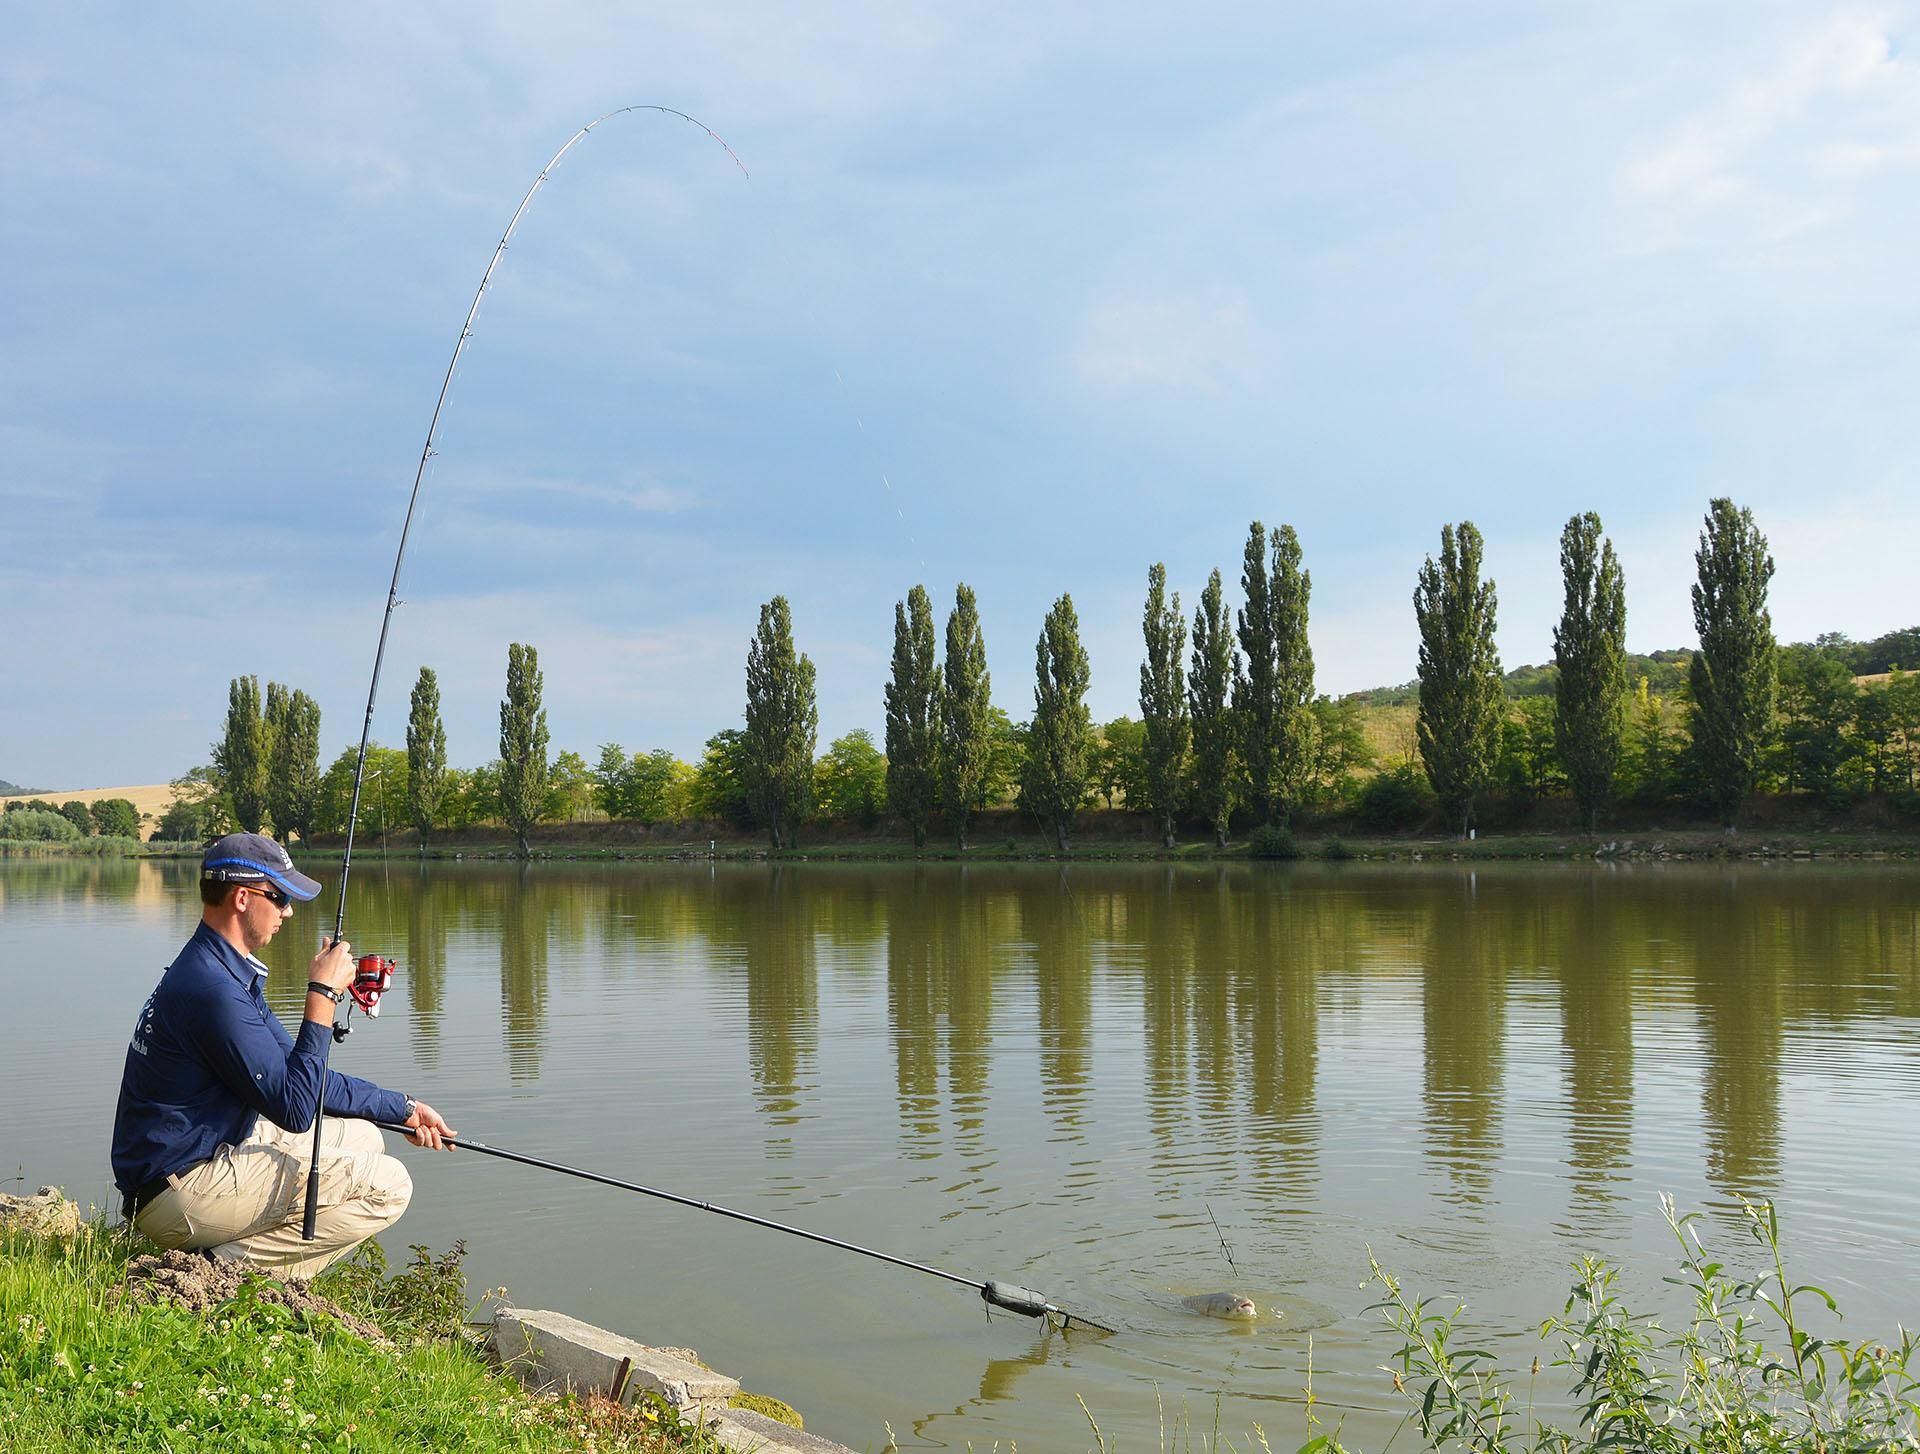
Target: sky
1026,297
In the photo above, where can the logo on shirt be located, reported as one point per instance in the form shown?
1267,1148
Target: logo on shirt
142,1028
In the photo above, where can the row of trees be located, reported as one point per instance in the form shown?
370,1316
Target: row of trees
1230,729
103,817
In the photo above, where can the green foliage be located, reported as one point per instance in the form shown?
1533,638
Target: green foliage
1589,649
1335,851
75,812
426,754
1734,674
719,787
1460,686
913,715
658,786
1210,679
31,825
851,781
1397,798
1120,763
1719,1384
1271,840
241,754
1819,705
570,789
1528,764
783,723
1060,748
1652,745
613,781
1341,749
1006,757
293,770
424,1300
197,811
966,751
1166,717
523,745
1273,693
114,818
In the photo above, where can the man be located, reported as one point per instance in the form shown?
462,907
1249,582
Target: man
212,1137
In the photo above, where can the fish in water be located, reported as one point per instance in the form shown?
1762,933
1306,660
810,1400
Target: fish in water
1220,1305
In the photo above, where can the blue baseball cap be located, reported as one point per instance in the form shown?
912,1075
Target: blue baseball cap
251,858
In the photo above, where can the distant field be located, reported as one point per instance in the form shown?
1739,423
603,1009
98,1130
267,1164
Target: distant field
150,800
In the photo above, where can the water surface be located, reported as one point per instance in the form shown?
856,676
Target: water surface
1066,1078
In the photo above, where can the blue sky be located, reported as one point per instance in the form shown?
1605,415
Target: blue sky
1026,297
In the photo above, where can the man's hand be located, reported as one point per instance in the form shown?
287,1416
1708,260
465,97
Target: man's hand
334,966
426,1127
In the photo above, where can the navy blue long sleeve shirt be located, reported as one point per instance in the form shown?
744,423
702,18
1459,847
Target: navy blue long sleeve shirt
208,1059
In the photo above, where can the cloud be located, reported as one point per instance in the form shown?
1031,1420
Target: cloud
1717,154
1182,343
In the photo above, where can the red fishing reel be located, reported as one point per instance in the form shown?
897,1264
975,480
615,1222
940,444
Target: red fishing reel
373,978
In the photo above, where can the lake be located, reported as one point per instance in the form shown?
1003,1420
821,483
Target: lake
1099,1081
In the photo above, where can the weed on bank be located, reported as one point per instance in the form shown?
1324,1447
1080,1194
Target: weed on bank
83,1366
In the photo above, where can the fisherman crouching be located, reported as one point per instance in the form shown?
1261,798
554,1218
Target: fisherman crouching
212,1137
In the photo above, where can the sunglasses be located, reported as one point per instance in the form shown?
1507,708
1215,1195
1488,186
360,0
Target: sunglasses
272,895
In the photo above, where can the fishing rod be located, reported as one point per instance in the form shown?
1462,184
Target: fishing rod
381,971
995,1294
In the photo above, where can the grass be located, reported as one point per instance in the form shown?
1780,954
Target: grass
83,1368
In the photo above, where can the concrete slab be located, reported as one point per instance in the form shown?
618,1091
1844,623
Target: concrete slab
550,1350
744,1430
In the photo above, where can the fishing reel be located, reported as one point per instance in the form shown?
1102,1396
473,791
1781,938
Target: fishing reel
373,977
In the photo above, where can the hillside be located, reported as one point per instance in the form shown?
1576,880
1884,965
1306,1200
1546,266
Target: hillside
150,800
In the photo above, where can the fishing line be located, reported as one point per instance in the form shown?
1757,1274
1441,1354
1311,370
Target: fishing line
995,1293
427,452
874,461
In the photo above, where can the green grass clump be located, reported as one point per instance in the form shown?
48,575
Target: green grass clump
83,1367
1745,1375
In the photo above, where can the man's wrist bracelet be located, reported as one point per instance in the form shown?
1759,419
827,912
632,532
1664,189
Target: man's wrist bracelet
314,987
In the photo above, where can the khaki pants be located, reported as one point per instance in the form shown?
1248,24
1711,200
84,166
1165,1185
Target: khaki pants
247,1203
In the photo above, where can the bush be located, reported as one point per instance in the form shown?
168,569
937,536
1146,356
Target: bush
1907,804
1271,841
1397,798
32,825
1335,851
1720,1383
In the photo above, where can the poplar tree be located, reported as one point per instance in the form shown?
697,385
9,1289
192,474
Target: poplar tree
1273,688
1060,745
273,713
1734,674
241,754
523,746
782,724
1590,650
1216,666
913,713
294,783
1256,684
1297,729
1163,702
426,754
1460,686
966,716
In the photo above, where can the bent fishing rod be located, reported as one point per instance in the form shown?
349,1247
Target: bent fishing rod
374,978
994,1293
